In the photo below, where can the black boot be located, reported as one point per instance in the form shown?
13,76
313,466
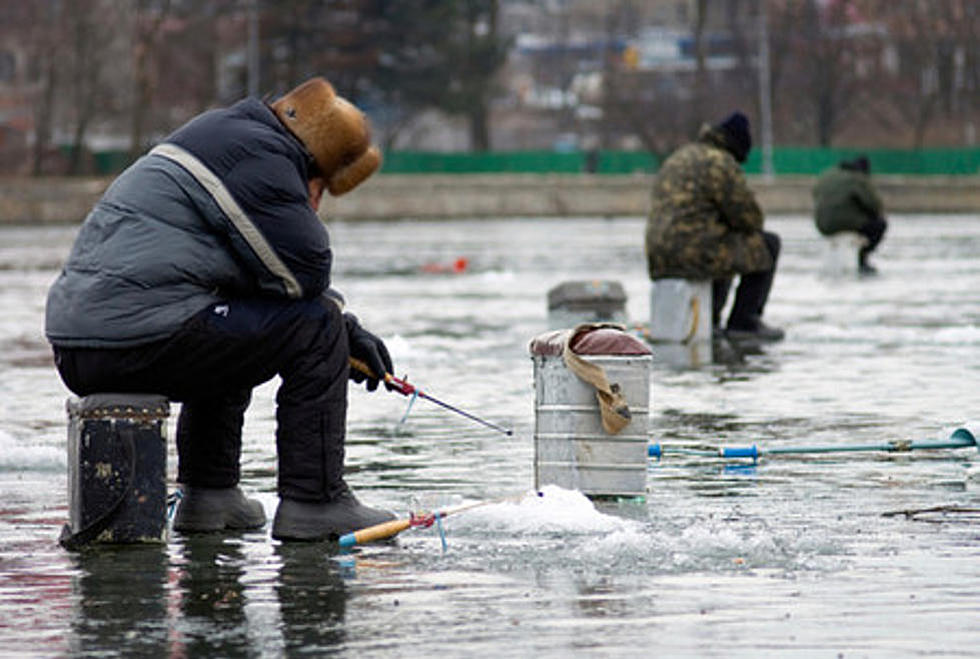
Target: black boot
204,509
865,268
304,520
745,320
754,330
719,295
873,230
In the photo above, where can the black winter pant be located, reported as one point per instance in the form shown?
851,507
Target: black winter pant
750,296
211,366
873,230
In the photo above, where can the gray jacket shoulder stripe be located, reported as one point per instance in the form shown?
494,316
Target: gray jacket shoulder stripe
210,182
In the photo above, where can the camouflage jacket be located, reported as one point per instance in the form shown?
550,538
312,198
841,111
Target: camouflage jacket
704,222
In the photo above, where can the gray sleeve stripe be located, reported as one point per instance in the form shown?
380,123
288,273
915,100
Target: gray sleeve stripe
210,182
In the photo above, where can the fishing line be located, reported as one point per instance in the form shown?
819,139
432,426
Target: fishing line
403,387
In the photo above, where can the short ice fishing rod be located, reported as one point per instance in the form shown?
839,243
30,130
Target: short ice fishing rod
406,389
960,438
390,529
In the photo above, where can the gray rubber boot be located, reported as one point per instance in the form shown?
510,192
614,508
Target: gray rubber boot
203,509
302,520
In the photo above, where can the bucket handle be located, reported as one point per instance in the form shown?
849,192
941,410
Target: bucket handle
695,319
75,541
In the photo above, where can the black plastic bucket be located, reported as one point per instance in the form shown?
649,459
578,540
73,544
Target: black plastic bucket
117,469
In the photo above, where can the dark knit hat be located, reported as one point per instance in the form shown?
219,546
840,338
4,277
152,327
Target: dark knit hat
859,164
735,128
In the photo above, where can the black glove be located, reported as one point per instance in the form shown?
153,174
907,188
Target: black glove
368,349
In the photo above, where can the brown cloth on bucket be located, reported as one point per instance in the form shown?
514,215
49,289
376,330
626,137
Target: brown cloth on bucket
571,343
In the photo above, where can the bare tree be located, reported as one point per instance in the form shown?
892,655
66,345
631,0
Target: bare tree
815,64
665,108
88,32
44,25
699,97
925,38
147,19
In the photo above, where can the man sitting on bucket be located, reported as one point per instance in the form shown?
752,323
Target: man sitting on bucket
705,223
204,271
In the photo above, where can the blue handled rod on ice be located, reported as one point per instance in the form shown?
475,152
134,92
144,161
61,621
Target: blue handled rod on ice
960,438
406,389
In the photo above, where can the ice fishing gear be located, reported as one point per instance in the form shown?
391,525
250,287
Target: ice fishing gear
403,387
960,438
938,514
367,349
417,520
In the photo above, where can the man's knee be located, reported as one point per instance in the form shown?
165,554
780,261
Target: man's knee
773,243
318,323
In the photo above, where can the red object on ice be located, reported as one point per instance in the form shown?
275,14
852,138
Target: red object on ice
456,267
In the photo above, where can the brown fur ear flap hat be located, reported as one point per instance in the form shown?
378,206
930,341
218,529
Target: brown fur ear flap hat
334,131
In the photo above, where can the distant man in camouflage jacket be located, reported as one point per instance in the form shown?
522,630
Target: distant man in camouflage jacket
844,199
705,223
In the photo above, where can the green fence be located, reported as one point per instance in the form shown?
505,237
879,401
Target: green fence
516,162
786,160
934,162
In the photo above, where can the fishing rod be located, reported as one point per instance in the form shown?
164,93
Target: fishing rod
390,529
960,438
404,388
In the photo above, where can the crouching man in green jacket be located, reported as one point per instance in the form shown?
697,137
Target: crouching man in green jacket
846,200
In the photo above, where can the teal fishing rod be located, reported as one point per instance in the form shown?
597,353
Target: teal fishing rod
960,438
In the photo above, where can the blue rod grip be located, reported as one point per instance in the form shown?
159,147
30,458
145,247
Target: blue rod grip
654,451
739,452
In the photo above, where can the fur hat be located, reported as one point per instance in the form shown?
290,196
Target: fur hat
735,128
334,131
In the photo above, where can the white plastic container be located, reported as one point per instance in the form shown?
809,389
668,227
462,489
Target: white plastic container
840,253
680,310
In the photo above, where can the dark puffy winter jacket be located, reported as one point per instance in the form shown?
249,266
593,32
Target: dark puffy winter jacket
219,210
844,200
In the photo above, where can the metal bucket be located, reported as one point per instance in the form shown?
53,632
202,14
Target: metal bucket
571,448
574,302
117,469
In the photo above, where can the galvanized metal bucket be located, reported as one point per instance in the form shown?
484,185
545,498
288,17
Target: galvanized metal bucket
117,469
571,448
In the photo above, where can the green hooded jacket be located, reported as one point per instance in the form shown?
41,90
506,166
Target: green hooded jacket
844,200
704,221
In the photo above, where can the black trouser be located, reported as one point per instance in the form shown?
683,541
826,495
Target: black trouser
874,231
751,294
211,366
